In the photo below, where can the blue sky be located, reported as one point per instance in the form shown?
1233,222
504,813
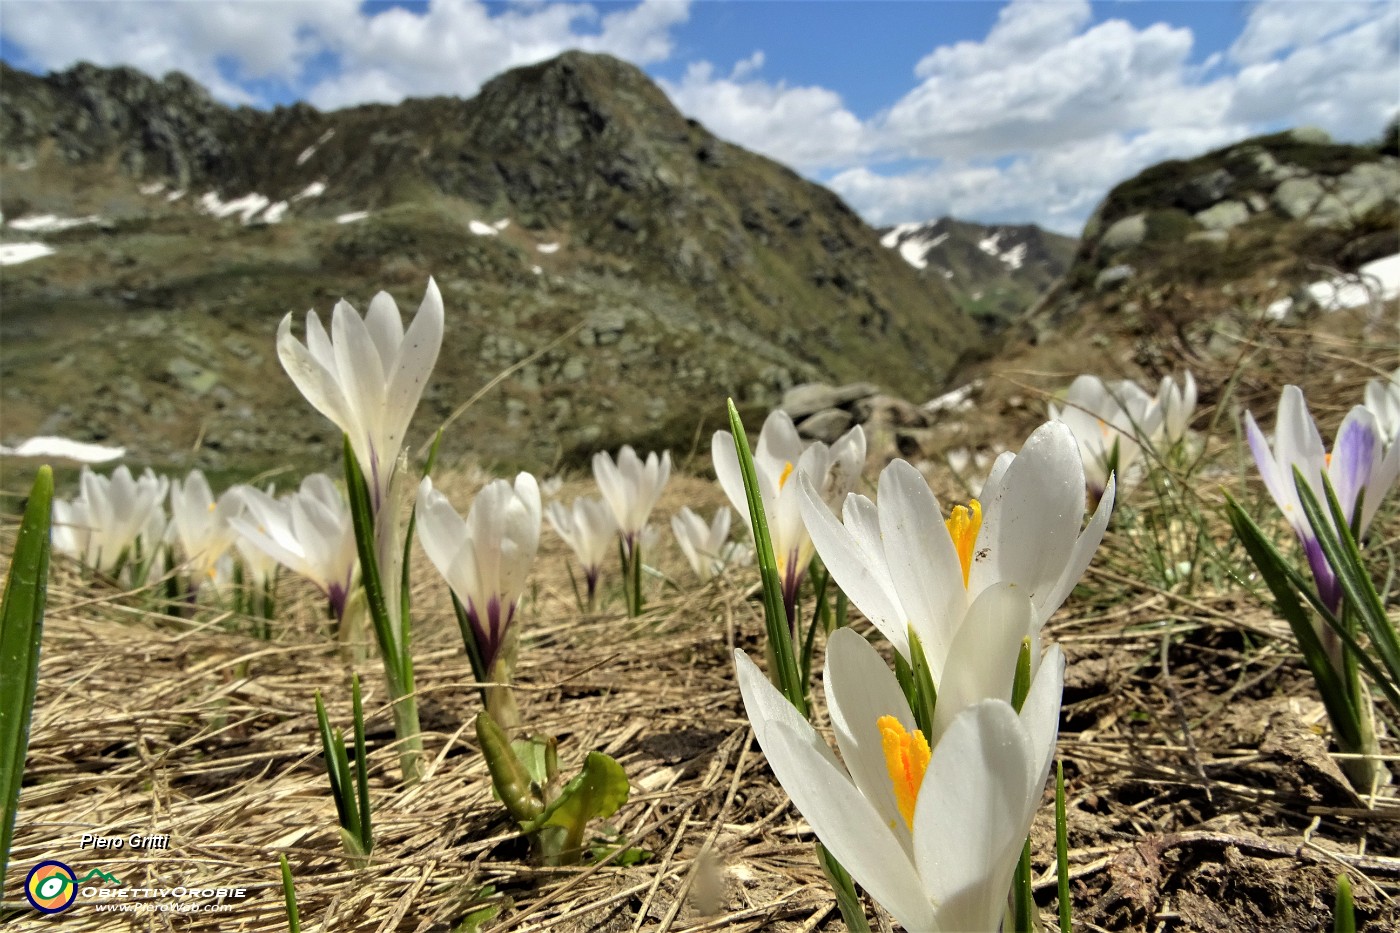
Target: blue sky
1025,110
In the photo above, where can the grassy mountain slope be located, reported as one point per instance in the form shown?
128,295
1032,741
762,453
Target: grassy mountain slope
695,268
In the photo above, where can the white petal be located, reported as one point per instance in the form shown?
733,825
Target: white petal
385,328
859,690
417,354
1050,600
315,381
859,571
731,478
1029,528
982,657
923,565
1040,714
849,826
968,827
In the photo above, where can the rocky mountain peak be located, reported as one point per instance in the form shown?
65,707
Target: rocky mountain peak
571,192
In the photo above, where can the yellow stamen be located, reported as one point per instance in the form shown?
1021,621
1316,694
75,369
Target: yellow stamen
906,759
963,526
787,471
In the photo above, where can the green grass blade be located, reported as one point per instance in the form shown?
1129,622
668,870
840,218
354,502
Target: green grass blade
774,615
1062,850
469,640
362,515
926,693
1343,916
337,769
1344,557
1021,680
1022,897
21,629
361,767
847,898
1273,568
289,897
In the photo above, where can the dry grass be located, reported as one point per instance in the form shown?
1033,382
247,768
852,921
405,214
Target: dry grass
1202,796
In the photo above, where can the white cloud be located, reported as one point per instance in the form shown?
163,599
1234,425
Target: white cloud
1347,82
376,54
1039,82
1055,188
265,40
806,127
1277,26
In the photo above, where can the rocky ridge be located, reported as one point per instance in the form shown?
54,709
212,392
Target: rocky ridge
1250,222
569,194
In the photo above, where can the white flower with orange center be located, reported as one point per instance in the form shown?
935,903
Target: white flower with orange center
930,826
909,569
779,457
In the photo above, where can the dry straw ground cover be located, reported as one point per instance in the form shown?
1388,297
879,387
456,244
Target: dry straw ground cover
1201,793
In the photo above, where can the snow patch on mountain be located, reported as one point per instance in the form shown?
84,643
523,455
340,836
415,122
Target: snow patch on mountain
313,190
51,223
1377,281
246,207
62,447
14,253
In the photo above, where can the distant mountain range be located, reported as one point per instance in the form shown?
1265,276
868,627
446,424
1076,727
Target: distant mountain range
993,272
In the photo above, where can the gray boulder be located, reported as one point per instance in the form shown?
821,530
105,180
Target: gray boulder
812,397
1112,277
1311,134
826,425
1223,216
1206,189
1124,234
1298,197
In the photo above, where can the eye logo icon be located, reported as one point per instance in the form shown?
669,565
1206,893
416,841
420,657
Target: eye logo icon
51,887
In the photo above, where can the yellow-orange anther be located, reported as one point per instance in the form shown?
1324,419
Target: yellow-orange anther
787,471
963,526
906,759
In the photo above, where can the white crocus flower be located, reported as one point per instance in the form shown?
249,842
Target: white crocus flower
1382,400
486,558
368,375
202,527
631,487
1109,422
589,528
906,567
108,524
1360,469
72,529
707,548
779,458
309,532
930,826
1178,405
